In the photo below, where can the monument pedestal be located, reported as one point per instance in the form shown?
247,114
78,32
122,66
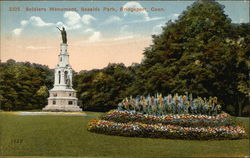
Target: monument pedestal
62,100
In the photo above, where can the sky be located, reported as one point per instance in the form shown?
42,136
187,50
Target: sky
96,37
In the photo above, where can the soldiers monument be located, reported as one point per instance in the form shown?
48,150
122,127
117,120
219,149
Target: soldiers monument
63,97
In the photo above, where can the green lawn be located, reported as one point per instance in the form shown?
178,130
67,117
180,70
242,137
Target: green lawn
67,136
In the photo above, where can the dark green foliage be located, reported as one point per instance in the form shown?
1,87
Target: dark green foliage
24,86
230,109
102,90
246,111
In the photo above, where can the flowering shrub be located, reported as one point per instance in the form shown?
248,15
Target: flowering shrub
177,104
165,131
185,120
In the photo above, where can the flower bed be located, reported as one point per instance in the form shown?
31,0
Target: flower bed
182,126
185,120
165,131
178,116
175,104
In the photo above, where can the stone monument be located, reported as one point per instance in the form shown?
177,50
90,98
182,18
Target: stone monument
63,97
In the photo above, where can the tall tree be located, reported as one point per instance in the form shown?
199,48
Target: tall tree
193,54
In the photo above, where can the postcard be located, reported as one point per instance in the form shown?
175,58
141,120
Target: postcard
124,78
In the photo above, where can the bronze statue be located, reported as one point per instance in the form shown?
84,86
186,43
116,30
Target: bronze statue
64,35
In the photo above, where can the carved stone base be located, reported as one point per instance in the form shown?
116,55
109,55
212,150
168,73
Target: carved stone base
61,108
62,100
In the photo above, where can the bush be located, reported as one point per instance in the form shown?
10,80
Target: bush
246,111
231,109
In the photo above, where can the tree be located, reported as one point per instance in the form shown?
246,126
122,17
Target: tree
193,55
102,90
23,86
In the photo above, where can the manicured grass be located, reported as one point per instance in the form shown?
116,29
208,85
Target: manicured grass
53,135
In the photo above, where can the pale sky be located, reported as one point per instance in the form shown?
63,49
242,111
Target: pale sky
95,38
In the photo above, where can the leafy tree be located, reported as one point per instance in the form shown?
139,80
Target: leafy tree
201,53
102,90
23,86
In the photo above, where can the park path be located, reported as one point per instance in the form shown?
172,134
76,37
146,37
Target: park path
25,113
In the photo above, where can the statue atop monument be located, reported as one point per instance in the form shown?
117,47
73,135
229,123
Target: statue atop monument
64,35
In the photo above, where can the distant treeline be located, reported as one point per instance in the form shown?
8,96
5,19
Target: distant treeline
24,86
202,53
